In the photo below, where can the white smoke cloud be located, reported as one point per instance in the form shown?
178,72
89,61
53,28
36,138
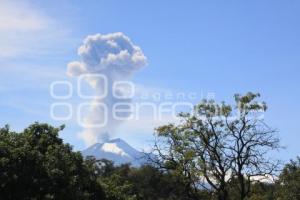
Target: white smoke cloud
117,58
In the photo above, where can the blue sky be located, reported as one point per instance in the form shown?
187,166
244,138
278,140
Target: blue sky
220,47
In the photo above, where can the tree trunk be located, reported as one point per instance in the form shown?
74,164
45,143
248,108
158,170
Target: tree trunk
223,195
242,186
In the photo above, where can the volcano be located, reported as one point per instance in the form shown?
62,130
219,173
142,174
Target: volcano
118,151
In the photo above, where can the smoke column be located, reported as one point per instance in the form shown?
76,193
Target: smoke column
117,58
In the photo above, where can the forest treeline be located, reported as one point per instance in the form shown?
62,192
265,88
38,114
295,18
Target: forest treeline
218,152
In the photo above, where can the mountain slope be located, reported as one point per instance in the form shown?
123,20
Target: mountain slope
116,150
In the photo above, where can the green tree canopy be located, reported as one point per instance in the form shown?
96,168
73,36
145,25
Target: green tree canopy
36,164
144,183
289,181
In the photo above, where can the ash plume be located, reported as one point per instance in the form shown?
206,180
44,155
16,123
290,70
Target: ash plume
117,58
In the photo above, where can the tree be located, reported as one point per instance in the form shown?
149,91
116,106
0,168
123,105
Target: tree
259,191
219,146
36,164
289,181
114,180
124,182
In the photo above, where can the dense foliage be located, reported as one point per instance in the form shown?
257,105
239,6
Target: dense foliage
36,164
289,181
144,183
